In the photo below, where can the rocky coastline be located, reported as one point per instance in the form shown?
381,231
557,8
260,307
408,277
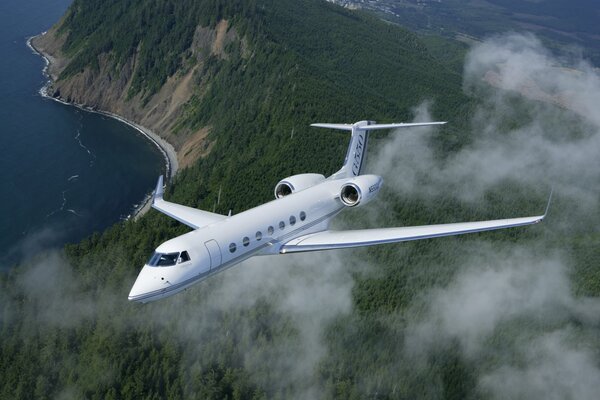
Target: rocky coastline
50,71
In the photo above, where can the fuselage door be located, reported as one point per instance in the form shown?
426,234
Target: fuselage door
215,253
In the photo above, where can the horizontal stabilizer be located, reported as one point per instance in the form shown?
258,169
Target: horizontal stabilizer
400,125
357,148
348,127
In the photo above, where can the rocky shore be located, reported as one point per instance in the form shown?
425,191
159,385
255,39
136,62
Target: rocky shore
51,70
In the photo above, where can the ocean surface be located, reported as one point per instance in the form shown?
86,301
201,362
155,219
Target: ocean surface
64,173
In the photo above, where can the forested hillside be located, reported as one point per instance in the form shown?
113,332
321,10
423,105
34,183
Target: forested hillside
280,59
396,321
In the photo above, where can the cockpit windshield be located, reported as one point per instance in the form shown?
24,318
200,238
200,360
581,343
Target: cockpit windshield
168,259
163,260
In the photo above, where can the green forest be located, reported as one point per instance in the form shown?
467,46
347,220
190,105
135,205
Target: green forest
368,323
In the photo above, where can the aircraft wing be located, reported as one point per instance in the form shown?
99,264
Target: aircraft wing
328,240
189,216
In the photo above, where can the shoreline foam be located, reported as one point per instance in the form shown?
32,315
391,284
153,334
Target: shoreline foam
166,148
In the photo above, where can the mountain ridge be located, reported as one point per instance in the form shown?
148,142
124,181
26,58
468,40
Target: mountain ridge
108,90
176,109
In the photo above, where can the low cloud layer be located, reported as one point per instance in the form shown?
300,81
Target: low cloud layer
275,309
552,366
512,312
535,144
511,309
308,290
497,286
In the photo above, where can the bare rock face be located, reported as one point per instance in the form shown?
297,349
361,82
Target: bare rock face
107,90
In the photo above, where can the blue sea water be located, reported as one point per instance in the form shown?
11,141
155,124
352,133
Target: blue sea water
64,173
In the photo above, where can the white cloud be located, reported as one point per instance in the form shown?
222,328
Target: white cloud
550,367
539,147
501,289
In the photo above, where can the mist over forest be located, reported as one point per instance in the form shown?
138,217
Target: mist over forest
510,314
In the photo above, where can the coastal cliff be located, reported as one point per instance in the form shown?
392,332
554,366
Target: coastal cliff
106,87
198,72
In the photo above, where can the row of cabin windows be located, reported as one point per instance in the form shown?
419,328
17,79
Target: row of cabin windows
270,230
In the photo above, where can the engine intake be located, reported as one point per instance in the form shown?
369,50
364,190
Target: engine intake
283,189
360,190
296,183
350,195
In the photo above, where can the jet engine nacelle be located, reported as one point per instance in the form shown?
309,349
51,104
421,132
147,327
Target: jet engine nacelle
296,183
360,190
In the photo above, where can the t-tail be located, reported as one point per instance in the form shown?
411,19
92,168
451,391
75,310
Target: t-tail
355,160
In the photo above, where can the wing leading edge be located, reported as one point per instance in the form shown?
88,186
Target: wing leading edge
329,240
189,216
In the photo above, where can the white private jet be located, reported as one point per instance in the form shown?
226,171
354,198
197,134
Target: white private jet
296,221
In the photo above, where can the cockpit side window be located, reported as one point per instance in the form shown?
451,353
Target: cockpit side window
184,256
163,260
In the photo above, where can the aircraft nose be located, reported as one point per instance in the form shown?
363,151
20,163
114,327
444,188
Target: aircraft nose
135,291
143,285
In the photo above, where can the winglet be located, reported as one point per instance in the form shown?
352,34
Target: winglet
159,191
540,218
549,201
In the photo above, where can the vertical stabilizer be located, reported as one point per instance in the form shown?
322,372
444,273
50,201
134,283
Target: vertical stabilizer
356,155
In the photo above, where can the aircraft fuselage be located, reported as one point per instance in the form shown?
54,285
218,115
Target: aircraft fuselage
258,231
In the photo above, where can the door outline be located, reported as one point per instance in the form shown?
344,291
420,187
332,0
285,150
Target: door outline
214,251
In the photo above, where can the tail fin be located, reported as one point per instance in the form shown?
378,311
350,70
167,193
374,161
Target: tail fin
356,155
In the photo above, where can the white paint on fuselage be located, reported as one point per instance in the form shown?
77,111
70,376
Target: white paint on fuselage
320,203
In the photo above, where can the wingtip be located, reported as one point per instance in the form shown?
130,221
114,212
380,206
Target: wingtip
159,191
548,204
540,218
